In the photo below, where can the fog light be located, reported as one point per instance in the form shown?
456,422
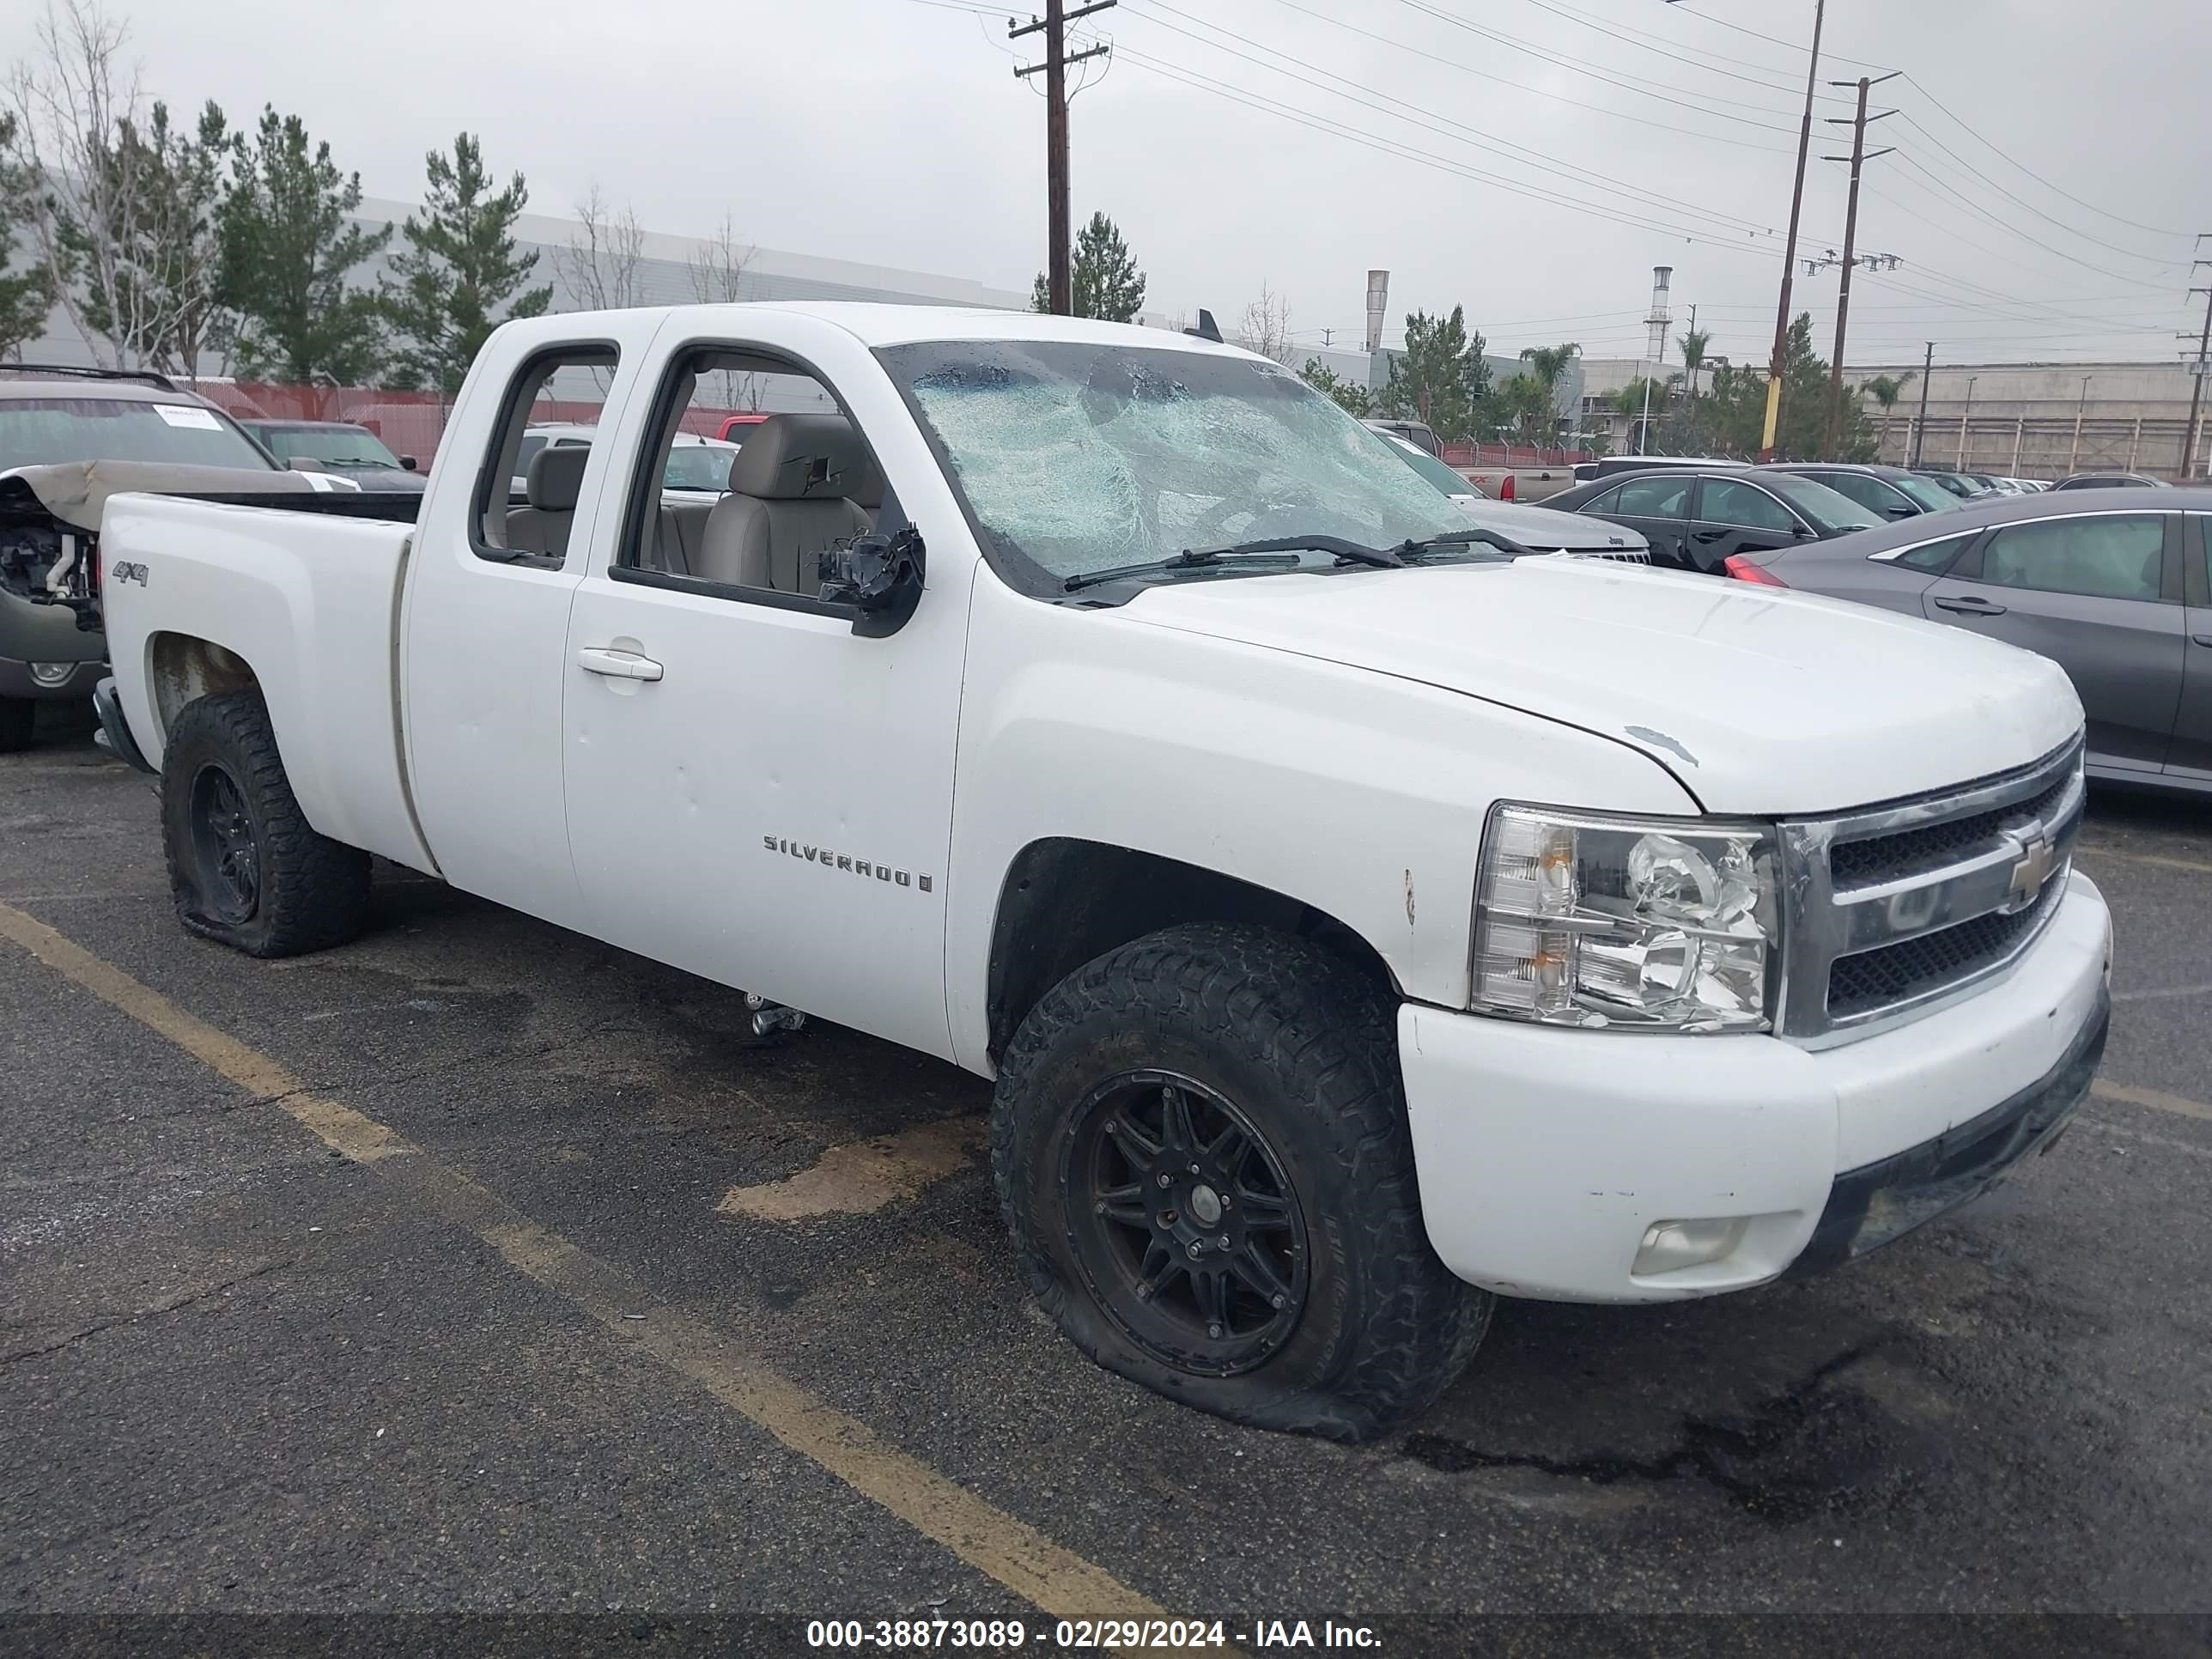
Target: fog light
51,673
1670,1245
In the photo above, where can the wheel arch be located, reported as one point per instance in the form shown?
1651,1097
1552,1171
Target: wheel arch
1066,900
182,668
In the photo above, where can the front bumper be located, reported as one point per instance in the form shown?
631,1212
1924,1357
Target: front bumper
1545,1154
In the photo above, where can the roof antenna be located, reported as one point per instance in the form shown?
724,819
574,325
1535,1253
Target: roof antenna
1206,329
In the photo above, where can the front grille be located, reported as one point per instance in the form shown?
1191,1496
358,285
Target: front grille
1909,852
1913,968
1894,906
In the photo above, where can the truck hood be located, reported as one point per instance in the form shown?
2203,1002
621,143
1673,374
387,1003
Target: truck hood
1759,701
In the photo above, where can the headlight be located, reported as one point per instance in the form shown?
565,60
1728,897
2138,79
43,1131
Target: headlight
1660,924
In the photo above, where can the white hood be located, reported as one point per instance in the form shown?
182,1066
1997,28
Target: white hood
1760,701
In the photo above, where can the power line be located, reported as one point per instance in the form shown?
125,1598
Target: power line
1639,118
1705,64
1480,140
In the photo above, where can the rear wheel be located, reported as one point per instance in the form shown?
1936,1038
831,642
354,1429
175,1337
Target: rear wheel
1200,1146
18,715
245,867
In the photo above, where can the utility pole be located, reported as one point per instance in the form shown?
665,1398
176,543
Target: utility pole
1059,285
2197,394
1859,159
1965,415
1781,359
1920,430
2073,455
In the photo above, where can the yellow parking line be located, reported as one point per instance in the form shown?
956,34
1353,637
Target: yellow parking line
2197,865
2179,1105
1062,1583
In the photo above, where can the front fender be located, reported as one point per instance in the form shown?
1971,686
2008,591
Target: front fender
1358,793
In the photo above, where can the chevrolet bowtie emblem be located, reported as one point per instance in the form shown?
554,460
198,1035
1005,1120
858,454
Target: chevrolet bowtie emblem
2037,860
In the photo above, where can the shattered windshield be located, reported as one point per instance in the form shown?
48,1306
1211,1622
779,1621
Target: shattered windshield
1075,457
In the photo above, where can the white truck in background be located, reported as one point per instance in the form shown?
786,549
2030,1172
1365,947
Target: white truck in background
1356,925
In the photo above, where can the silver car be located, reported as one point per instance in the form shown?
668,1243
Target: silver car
2114,585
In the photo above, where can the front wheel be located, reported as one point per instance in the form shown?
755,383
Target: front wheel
1200,1146
246,868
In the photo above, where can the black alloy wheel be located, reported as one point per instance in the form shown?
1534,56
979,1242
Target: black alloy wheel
1182,1221
225,849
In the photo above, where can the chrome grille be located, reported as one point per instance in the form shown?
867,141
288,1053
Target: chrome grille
1895,907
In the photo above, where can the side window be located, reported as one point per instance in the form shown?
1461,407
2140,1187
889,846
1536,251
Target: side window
1936,557
756,516
1655,498
531,477
1729,500
1870,493
1605,501
2110,556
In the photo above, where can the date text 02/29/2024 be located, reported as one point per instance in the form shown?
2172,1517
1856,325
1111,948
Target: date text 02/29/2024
997,1635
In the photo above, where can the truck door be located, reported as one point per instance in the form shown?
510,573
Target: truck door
489,582
755,792
2090,592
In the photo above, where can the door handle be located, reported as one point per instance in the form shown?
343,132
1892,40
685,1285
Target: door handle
616,664
2202,639
1967,605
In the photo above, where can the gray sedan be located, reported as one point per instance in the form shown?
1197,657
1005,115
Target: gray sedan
2114,585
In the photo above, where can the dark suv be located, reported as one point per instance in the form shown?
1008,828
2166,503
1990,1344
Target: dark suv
1699,518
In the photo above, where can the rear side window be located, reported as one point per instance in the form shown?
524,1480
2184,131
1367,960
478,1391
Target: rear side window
1866,491
1607,500
2110,556
1729,501
1936,557
1655,498
565,386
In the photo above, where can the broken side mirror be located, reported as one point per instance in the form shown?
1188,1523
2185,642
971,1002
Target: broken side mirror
879,576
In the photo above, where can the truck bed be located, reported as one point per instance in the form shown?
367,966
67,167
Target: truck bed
300,597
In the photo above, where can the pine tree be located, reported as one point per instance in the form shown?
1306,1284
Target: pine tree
26,296
459,276
1103,281
288,246
1439,377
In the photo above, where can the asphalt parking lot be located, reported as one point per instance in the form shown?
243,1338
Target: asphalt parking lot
480,1267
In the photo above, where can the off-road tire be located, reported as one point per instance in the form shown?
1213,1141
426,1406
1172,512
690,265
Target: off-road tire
1306,1048
312,892
18,718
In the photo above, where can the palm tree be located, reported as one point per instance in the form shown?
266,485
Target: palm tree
1524,403
1886,390
1694,342
1546,365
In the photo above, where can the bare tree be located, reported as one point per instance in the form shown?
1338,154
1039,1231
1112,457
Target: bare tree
123,212
718,279
1267,326
600,266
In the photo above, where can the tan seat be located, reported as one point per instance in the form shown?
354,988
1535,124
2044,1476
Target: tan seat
552,486
787,503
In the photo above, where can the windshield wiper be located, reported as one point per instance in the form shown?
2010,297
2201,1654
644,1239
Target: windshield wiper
1503,543
1267,552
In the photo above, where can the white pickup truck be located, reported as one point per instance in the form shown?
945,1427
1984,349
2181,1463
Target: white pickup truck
1357,924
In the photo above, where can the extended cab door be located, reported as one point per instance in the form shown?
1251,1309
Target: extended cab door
2099,593
484,646
755,792
1734,515
2191,756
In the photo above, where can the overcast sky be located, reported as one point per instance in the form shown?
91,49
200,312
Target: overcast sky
893,131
